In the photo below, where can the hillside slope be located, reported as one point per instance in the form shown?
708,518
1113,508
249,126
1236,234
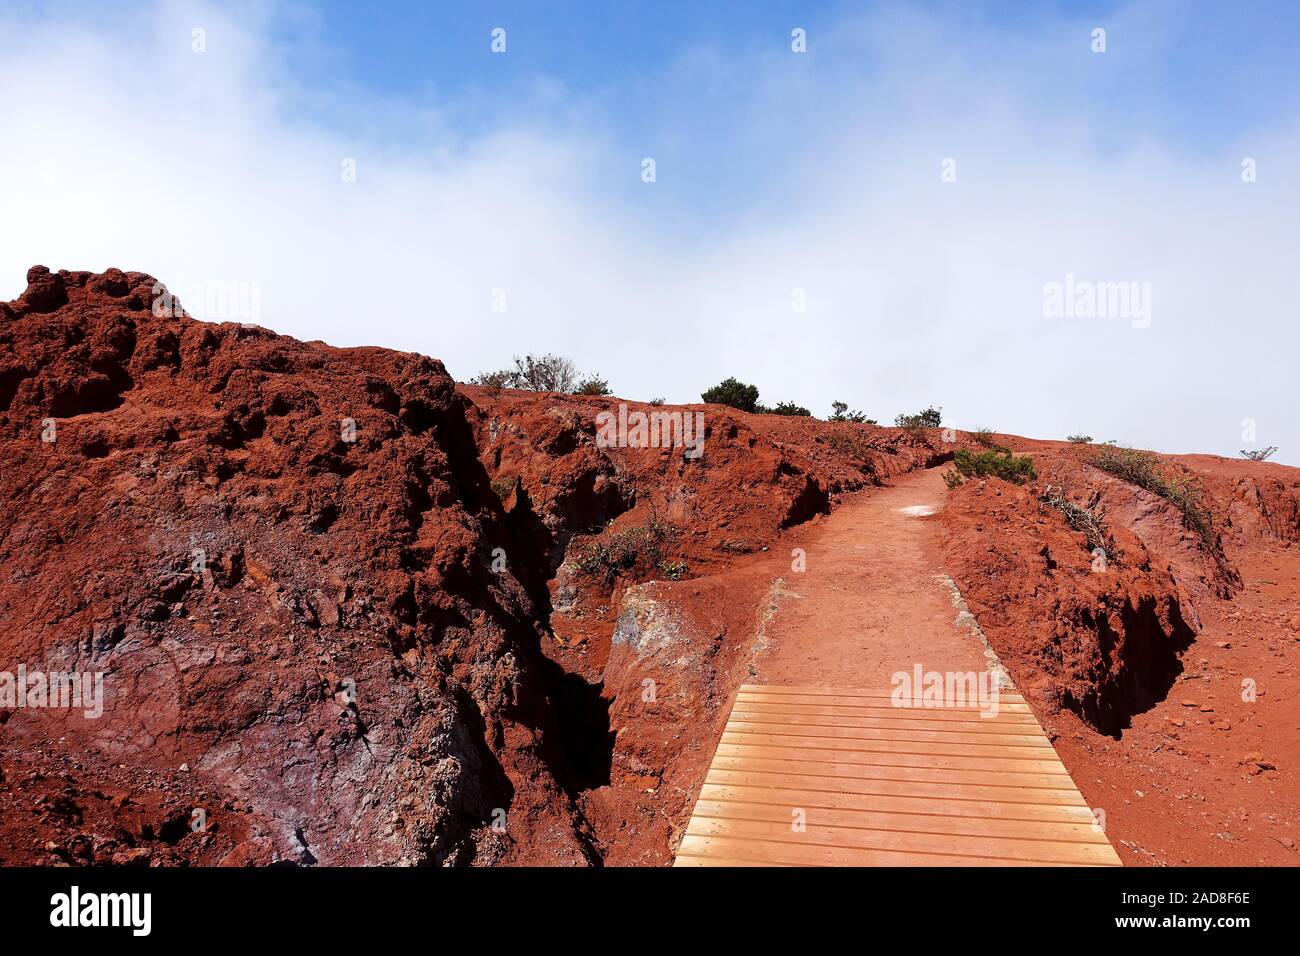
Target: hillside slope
353,612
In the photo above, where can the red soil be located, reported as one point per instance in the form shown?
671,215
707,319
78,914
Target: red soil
1160,652
539,625
871,602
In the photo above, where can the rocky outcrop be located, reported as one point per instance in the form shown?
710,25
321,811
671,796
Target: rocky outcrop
279,556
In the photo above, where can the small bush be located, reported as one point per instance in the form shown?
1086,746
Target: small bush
788,408
656,401
492,379
1260,454
994,464
952,478
734,393
851,444
1081,439
593,385
633,549
504,487
983,436
926,418
840,413
545,373
673,570
1088,519
1149,472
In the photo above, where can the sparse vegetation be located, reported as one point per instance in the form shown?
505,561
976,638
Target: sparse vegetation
1088,519
546,373
852,444
926,418
996,463
1081,439
592,385
840,413
734,393
504,486
632,549
786,408
1260,454
952,478
673,570
983,436
1149,472
499,379
656,401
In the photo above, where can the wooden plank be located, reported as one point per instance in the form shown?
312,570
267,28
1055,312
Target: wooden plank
974,849
886,758
994,707
815,776
733,851
886,712
887,745
833,772
927,805
1010,696
1010,738
884,787
970,725
1077,831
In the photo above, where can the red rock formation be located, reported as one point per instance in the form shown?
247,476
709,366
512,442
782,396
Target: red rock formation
353,613
278,553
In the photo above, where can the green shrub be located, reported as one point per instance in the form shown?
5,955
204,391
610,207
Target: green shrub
593,385
994,464
926,418
656,401
673,570
1149,472
1081,439
840,413
734,393
639,549
493,380
788,408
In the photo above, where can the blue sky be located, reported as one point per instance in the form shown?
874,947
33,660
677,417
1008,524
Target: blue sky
669,78
778,175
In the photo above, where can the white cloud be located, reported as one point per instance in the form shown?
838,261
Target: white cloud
128,149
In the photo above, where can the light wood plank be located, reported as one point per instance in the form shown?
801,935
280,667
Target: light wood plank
975,849
886,787
928,804
870,784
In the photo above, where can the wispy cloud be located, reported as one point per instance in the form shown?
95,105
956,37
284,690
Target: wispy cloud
777,174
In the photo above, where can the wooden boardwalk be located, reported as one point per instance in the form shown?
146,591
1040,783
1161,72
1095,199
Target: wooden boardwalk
823,776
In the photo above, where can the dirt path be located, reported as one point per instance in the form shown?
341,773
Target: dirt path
869,603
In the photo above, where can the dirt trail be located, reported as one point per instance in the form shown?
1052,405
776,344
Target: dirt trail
869,603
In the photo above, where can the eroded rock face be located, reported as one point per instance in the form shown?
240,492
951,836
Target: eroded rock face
661,640
1105,642
278,554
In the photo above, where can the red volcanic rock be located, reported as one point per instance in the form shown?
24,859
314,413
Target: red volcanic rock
1104,643
347,611
277,554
